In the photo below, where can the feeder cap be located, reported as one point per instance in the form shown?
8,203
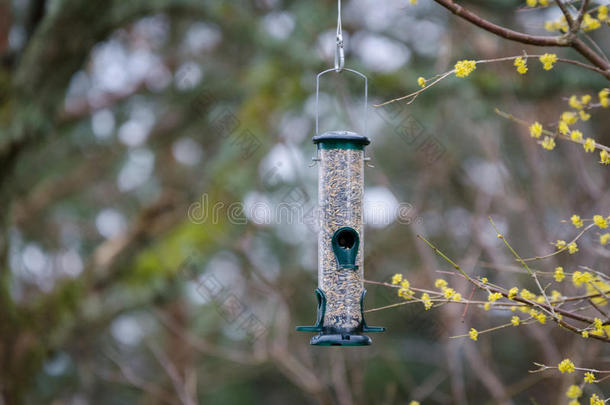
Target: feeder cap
340,138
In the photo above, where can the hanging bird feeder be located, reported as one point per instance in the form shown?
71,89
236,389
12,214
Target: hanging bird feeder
340,291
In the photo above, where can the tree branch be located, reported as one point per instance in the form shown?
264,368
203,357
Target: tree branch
561,41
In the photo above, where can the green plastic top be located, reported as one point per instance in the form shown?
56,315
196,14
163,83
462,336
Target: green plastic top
341,140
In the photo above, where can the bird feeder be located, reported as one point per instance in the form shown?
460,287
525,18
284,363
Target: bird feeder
340,292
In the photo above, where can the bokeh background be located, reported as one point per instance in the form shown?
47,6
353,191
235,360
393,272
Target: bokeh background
142,144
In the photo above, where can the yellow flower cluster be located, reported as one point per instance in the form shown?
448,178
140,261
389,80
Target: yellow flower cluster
602,13
589,377
421,81
464,67
574,392
595,400
604,157
600,221
578,278
526,294
604,239
405,286
604,97
576,221
512,293
534,3
563,245
589,145
559,274
515,320
536,130
521,65
548,143
590,23
449,293
566,366
425,298
561,25
405,289
548,60
413,2
493,297
474,334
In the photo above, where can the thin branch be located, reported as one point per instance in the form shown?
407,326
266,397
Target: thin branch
561,41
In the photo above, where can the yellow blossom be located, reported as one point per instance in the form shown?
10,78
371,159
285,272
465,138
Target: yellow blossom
589,23
513,292
484,280
559,274
589,377
449,292
547,60
457,297
576,135
584,115
405,293
569,117
556,295
464,67
604,97
541,318
521,65
414,402
413,2
602,13
586,99
564,129
531,3
536,130
396,278
595,400
604,239
527,294
566,366
589,145
487,306
493,297
600,221
513,308
574,102
474,335
574,392
585,334
548,143
426,300
421,81
440,283
604,157
551,26
598,325
560,244
515,320
572,248
576,221
544,2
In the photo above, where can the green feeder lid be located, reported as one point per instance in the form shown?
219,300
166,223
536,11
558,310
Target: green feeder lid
341,140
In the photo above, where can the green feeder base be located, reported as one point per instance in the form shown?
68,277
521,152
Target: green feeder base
330,337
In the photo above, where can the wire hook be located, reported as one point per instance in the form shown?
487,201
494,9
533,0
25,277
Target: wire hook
339,50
